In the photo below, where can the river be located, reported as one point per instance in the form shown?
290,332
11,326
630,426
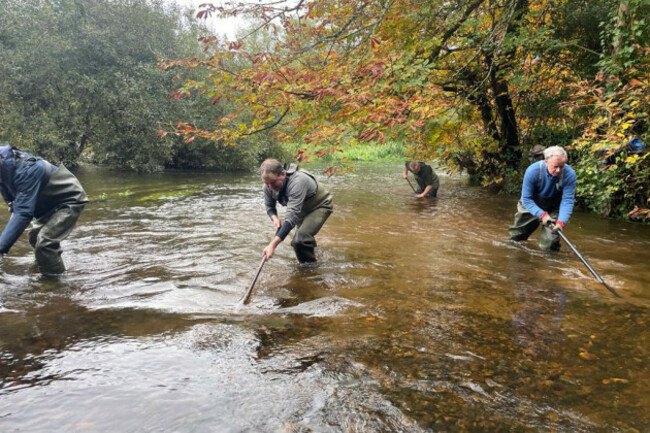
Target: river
419,316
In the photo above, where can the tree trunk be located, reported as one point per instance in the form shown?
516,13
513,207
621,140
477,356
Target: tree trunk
511,150
621,24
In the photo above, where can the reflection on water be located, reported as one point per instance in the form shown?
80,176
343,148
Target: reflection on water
419,316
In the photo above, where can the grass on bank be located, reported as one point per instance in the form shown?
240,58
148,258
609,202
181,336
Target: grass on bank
390,151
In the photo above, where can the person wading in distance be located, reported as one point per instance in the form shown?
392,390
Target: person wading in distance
426,178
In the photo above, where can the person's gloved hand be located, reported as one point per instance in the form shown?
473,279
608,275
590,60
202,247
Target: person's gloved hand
546,218
559,225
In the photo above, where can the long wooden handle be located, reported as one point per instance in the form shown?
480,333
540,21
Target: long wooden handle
246,299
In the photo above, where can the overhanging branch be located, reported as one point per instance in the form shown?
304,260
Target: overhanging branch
271,125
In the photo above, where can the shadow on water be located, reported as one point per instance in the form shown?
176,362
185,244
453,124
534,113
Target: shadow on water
419,316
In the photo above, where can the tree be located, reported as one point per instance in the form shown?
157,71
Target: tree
363,71
474,83
616,103
81,77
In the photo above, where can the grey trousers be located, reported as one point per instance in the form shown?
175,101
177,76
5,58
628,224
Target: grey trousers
304,241
526,223
47,233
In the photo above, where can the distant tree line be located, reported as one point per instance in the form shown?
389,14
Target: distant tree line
81,82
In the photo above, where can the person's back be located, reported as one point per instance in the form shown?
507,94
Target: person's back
50,195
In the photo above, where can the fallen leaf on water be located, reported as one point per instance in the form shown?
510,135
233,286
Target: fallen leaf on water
586,355
614,380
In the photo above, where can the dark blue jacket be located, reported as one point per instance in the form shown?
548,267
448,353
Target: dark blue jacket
22,177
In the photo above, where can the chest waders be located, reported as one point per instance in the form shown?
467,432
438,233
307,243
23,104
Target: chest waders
58,207
526,223
314,213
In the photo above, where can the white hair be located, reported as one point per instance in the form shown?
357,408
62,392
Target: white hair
555,152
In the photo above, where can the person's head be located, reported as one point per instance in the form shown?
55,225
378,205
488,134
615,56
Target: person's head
272,174
415,166
555,157
536,153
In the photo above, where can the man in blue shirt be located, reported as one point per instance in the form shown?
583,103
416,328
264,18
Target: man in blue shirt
51,195
547,194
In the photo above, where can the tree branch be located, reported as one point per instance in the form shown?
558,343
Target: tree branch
271,125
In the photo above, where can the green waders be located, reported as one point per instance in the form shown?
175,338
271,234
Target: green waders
315,212
526,223
59,204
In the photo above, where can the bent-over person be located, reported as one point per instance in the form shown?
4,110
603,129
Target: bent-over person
427,179
308,205
547,195
49,195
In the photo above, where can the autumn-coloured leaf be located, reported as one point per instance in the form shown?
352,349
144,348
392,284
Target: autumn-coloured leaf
614,380
584,354
635,83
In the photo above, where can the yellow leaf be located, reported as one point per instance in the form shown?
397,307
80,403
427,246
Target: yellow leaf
614,380
586,355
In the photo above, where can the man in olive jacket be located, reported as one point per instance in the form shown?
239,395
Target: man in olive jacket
426,178
49,194
308,207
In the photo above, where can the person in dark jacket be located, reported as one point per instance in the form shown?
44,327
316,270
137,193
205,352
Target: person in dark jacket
49,195
308,207
426,178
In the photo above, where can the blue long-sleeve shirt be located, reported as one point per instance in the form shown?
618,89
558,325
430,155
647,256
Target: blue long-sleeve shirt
27,182
547,187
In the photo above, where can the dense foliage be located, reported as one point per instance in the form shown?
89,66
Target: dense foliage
474,83
80,80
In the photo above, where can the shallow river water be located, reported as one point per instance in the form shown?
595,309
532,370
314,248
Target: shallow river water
419,316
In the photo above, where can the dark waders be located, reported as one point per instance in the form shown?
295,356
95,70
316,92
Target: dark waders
526,223
315,212
62,200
